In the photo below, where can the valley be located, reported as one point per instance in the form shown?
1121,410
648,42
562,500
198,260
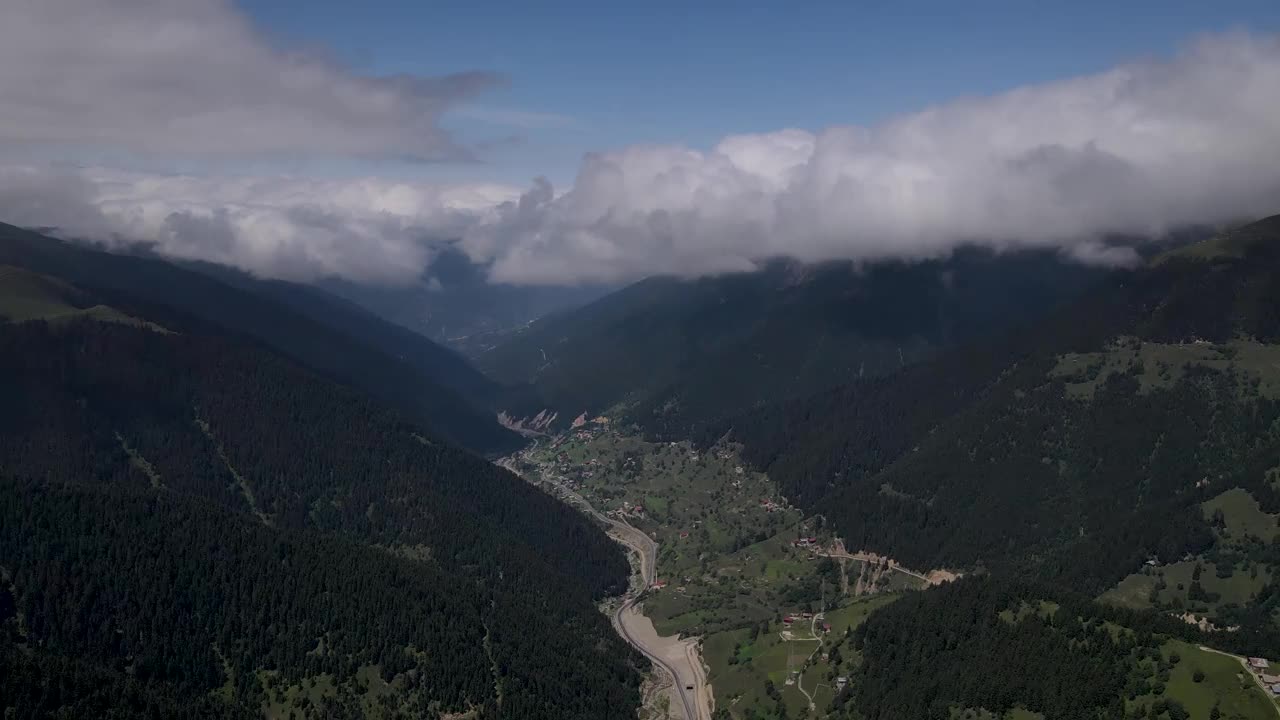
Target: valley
1080,520
736,595
675,361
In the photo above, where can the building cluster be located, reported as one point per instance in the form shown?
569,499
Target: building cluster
1262,668
627,510
788,620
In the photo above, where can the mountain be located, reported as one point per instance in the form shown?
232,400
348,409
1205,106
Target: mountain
455,304
428,383
680,353
990,647
1124,446
437,362
192,523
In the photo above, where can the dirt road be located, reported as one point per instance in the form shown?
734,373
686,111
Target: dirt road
933,578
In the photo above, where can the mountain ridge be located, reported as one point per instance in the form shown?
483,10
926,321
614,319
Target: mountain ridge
167,289
226,512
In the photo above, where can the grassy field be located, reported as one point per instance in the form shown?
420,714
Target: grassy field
1225,684
26,296
1137,589
1170,585
1231,243
1243,516
745,663
1164,364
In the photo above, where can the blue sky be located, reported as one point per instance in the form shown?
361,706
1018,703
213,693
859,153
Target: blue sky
587,75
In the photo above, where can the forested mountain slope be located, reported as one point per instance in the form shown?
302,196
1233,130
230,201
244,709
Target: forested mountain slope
443,365
425,382
192,525
683,352
986,647
1075,451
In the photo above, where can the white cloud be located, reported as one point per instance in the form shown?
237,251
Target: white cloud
1138,150
366,230
194,77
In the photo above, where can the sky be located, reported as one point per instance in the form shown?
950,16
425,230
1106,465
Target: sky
568,142
592,76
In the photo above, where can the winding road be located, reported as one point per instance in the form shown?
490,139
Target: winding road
628,615
686,669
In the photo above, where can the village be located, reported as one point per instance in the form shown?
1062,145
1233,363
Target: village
731,553
1261,668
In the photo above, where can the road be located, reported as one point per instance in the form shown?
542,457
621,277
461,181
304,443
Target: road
813,630
678,659
629,622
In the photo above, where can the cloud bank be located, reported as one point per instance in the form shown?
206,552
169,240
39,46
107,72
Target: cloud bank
182,80
1140,149
367,230
194,77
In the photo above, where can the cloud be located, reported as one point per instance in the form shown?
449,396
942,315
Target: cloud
1138,150
194,77
365,230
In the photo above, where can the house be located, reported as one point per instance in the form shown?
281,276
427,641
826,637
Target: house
826,627
1275,689
841,682
1270,679
1258,664
658,584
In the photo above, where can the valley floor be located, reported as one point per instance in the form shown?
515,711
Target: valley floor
745,602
